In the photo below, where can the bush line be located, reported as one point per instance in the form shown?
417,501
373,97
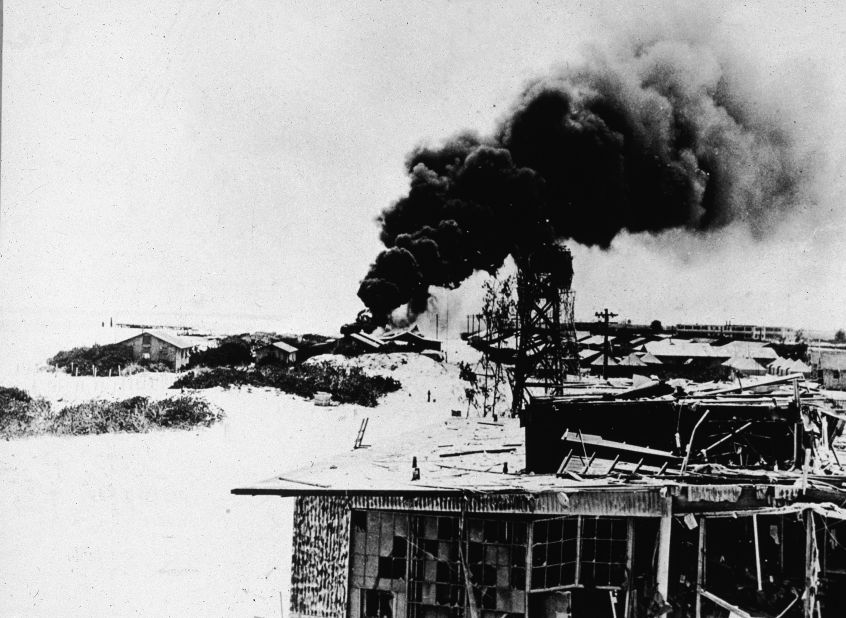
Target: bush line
25,416
345,384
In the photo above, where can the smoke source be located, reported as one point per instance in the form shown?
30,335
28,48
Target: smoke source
647,142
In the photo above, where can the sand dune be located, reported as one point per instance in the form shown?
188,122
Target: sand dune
143,524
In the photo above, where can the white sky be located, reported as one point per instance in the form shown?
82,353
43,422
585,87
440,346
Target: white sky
230,157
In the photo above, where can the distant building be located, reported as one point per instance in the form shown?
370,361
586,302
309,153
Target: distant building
160,347
830,368
356,343
411,340
681,351
738,331
745,366
279,352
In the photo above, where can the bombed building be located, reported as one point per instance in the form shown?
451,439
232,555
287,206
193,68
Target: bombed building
600,501
728,506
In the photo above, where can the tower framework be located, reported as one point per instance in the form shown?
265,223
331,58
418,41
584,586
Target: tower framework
547,350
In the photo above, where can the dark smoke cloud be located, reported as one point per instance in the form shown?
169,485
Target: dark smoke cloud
652,141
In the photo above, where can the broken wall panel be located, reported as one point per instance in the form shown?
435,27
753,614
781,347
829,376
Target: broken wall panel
320,561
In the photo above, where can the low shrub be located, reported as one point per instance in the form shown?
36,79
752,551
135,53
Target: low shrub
102,416
184,413
9,394
106,358
220,376
22,417
346,384
232,352
135,415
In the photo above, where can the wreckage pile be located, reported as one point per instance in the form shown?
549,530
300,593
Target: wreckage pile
776,424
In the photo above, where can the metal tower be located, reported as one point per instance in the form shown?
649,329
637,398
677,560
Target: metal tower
546,335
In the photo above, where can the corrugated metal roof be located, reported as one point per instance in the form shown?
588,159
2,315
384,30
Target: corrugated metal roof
366,340
284,347
596,340
165,336
752,349
742,363
588,355
632,360
684,349
599,361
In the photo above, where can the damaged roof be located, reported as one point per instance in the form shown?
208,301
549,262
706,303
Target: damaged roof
479,464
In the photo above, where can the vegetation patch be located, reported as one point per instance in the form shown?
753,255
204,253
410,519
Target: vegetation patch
346,384
26,417
105,359
232,352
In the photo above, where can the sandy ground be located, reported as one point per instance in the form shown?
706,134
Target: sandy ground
129,524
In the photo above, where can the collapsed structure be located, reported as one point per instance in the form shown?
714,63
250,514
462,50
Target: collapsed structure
611,503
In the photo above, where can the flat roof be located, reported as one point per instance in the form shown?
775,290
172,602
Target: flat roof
463,462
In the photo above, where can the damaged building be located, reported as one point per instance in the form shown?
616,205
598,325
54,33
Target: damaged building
690,516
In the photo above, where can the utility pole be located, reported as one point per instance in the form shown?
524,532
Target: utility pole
606,316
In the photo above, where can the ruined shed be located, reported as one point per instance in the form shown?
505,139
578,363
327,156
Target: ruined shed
279,352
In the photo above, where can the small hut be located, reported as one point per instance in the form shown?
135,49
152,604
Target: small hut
279,352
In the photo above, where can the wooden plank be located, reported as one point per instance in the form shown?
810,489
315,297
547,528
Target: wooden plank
589,462
810,567
726,605
563,467
757,552
530,538
478,452
701,561
619,447
662,571
578,575
630,545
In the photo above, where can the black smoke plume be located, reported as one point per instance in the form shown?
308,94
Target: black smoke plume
645,143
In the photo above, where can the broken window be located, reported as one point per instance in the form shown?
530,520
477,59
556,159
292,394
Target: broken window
579,551
436,577
759,574
378,561
554,552
448,566
496,561
603,551
377,604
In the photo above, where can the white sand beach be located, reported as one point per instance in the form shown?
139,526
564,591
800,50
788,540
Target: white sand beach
144,524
